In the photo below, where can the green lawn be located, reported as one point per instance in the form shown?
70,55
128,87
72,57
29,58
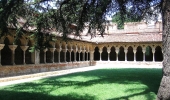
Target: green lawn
101,84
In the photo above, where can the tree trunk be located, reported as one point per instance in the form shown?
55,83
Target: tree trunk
164,89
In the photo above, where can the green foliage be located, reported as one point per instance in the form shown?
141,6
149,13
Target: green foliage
67,16
120,19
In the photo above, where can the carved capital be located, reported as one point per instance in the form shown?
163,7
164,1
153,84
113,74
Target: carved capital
45,50
24,48
2,46
12,47
52,49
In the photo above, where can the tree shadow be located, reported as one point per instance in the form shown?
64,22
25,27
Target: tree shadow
149,77
13,95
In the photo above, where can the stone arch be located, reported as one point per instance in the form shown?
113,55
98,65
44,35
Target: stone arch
18,54
113,54
139,54
6,53
121,54
104,55
72,56
158,54
61,56
28,54
57,51
148,54
96,54
130,54
48,56
68,56
77,56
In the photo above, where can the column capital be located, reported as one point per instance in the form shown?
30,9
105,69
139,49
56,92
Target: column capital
45,50
83,51
58,49
70,50
153,50
79,51
125,50
52,49
2,46
108,50
64,50
12,47
143,50
134,50
24,48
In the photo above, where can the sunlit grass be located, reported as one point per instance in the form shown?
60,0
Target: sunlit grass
101,84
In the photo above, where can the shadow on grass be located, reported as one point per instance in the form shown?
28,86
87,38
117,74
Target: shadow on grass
149,77
13,95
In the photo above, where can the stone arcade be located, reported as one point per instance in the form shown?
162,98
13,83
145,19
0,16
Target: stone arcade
137,42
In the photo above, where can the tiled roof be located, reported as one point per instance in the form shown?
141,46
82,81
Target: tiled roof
140,37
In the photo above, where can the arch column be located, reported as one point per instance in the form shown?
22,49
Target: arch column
134,51
65,51
91,57
13,47
125,50
153,51
108,51
84,54
70,50
52,54
117,51
79,51
75,51
87,56
45,50
100,51
59,50
24,48
1,47
143,50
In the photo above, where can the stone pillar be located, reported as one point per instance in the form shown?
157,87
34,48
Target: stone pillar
108,51
143,50
134,51
87,56
70,50
24,48
91,57
75,55
13,47
79,54
52,54
45,50
1,47
117,51
153,51
126,50
84,55
59,50
100,51
65,51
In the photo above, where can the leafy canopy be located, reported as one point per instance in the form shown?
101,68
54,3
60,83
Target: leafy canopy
66,17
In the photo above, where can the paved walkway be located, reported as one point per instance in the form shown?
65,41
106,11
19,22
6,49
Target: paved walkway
26,78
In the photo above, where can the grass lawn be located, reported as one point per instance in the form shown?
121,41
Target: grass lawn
101,84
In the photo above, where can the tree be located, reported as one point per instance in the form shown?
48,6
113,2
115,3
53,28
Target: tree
71,16
117,18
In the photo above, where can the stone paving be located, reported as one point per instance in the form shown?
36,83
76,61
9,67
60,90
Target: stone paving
26,78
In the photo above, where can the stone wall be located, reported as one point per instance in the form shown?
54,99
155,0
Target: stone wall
15,70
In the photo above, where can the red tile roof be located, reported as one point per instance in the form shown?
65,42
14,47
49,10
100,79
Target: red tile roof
140,37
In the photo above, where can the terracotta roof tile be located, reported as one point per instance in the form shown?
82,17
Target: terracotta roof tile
141,37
